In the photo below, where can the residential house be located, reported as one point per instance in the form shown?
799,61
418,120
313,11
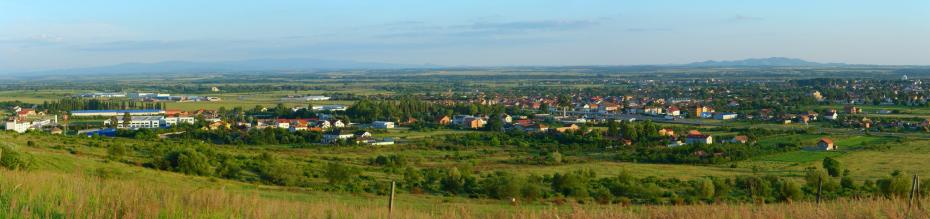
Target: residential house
443,120
474,123
698,111
535,128
826,144
569,128
740,139
673,111
506,118
831,115
653,110
695,137
852,109
666,132
219,125
56,131
460,119
336,135
608,107
339,124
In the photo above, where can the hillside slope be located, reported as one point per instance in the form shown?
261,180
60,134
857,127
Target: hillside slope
68,179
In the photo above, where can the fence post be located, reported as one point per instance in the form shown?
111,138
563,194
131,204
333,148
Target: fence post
917,181
819,188
915,186
391,201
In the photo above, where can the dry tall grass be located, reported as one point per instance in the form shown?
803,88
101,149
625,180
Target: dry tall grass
42,194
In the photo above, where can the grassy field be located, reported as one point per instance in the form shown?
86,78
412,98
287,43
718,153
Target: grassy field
49,194
68,186
229,100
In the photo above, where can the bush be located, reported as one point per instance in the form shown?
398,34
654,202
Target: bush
278,172
187,161
108,173
339,173
116,151
503,185
14,160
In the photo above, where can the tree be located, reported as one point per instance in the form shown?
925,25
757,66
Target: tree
114,122
833,166
495,124
127,119
628,131
705,188
613,128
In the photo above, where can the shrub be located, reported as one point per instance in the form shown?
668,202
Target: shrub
187,161
116,151
14,160
339,173
278,172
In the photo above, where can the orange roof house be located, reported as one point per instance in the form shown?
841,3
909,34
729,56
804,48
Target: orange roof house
826,144
444,120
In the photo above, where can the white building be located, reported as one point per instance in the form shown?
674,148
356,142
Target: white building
336,135
103,95
18,126
316,98
382,125
725,116
385,141
173,121
149,112
305,98
137,122
330,108
141,95
21,126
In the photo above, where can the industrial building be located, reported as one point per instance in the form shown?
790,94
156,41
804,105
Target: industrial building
137,122
142,112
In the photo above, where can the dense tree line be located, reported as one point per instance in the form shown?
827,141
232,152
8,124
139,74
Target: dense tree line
68,104
267,136
400,110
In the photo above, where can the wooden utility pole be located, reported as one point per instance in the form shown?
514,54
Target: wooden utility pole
391,201
819,188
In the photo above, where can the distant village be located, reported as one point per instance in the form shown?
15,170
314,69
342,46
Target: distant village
571,116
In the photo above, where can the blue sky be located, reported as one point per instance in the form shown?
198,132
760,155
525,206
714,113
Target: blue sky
42,34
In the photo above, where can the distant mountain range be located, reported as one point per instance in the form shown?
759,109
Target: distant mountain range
301,64
763,62
227,66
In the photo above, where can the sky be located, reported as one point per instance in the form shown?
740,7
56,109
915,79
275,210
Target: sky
44,34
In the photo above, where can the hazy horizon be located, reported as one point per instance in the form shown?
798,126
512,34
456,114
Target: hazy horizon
45,35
